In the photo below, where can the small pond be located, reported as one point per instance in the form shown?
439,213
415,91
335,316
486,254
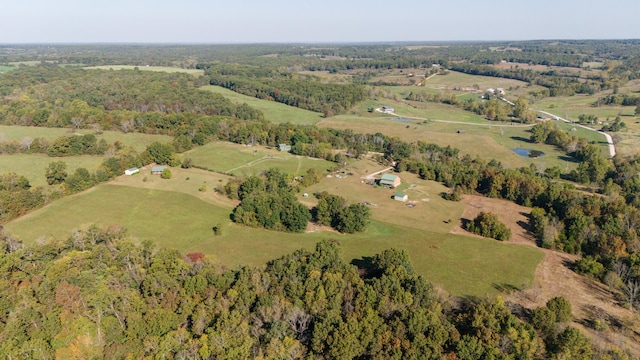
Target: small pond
528,153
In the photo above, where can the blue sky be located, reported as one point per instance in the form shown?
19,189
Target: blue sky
251,21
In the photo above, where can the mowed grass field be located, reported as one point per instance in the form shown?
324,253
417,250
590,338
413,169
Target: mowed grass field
33,166
194,72
137,141
488,141
273,111
462,265
244,160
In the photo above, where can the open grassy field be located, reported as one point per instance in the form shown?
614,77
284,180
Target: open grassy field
136,140
462,265
460,81
246,160
4,68
487,142
273,111
194,72
573,106
33,166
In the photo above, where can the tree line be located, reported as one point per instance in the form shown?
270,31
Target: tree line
302,91
98,294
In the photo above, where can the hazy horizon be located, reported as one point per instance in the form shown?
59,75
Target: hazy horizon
330,21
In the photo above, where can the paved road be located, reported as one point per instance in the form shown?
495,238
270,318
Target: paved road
455,122
612,147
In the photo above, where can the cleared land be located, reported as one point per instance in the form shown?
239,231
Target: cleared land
273,111
161,210
244,160
194,72
4,68
33,167
137,141
490,141
590,299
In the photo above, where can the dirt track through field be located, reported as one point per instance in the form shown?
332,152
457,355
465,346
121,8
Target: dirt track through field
590,300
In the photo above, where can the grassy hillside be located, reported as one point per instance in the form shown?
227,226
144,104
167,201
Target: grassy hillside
246,160
33,167
136,140
194,72
273,111
463,266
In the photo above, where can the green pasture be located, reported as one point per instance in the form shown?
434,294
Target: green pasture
244,160
194,72
592,64
455,79
273,111
477,137
574,106
461,265
431,211
33,166
4,68
137,141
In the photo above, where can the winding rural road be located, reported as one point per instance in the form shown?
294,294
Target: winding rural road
452,121
612,147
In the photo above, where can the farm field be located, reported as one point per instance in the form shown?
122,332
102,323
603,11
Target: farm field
137,141
489,141
244,160
33,166
574,106
451,261
4,68
194,72
460,81
273,111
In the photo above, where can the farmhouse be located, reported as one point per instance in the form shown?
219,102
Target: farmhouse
131,171
284,147
401,197
390,180
388,109
157,170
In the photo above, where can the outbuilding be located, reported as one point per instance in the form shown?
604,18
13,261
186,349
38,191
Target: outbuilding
390,180
131,171
157,170
401,197
284,147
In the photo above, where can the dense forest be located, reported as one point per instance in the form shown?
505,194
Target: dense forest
97,294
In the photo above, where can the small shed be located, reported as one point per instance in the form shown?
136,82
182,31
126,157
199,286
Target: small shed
401,197
390,180
157,170
388,109
284,147
131,171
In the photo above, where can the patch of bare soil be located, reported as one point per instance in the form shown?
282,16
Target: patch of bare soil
511,214
314,227
590,300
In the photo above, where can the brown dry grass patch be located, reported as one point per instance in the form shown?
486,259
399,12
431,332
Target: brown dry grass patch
590,299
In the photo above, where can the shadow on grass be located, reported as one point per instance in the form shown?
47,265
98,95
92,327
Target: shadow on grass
366,270
506,288
523,139
568,158
464,223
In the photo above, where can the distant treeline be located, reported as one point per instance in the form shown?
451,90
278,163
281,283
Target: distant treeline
302,91
54,96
